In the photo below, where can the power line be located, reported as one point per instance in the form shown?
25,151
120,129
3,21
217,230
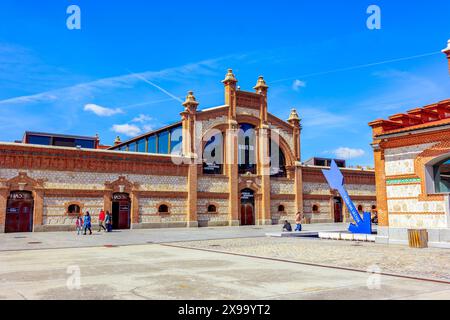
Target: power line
358,66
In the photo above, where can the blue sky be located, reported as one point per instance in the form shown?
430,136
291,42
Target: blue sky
309,52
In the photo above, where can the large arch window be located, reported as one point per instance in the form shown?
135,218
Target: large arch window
442,176
247,149
277,160
213,155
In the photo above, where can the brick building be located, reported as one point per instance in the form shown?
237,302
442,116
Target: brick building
412,165
235,164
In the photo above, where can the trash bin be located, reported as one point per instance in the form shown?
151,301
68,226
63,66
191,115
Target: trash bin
418,238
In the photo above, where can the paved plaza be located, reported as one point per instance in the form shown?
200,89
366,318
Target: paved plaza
215,263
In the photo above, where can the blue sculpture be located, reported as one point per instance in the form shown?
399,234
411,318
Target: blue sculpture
336,181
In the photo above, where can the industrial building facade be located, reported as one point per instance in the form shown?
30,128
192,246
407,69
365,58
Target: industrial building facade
230,165
412,164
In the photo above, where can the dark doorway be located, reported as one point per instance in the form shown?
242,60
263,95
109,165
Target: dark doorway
247,207
338,217
19,212
121,209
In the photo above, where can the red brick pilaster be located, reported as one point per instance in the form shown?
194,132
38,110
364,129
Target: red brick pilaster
3,202
192,219
380,177
231,144
134,208
298,188
107,201
264,172
38,219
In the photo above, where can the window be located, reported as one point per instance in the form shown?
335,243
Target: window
63,142
281,208
73,210
141,145
86,144
132,147
277,160
315,209
442,176
360,209
39,140
247,150
163,142
176,141
212,209
213,155
163,209
151,144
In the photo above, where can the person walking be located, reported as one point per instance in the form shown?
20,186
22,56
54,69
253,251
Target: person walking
87,223
108,221
298,221
79,224
101,221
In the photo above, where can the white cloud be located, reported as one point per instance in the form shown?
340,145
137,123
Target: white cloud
129,130
148,127
101,111
298,84
348,153
142,118
88,89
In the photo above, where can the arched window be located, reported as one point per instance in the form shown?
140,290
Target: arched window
315,209
277,160
74,209
247,149
360,209
442,176
213,155
212,208
281,208
163,208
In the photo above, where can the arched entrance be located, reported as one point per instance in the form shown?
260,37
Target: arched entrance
19,212
247,207
121,209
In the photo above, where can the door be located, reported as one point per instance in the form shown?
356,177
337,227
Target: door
247,207
338,218
19,212
121,209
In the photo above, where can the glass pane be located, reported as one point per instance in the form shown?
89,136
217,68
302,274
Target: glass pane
86,144
39,140
163,143
443,177
213,155
176,139
152,144
247,149
132,147
141,145
64,142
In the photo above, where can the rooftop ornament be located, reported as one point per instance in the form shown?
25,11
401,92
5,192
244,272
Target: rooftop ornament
230,78
294,116
261,84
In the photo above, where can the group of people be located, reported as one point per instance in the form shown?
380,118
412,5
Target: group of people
298,221
105,222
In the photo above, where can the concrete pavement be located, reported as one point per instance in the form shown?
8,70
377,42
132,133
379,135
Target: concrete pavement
161,272
55,240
